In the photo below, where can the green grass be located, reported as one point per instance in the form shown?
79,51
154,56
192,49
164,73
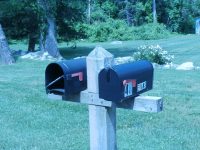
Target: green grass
184,48
19,45
30,121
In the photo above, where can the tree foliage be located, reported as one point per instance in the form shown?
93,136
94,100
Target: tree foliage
21,17
26,18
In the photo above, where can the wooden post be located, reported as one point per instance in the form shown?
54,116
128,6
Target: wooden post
102,120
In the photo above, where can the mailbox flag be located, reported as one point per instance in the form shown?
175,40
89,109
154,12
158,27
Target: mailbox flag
79,74
130,80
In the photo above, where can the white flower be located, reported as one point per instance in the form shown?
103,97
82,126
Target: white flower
153,52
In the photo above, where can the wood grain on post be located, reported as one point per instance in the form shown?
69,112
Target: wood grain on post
102,119
98,59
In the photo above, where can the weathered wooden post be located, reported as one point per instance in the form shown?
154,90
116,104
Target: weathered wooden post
102,119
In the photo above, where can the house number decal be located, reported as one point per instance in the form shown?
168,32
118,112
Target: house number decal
141,86
128,89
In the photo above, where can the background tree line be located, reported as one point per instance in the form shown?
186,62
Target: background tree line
46,21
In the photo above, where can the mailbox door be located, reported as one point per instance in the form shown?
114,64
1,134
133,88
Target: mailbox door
110,87
76,82
75,76
54,79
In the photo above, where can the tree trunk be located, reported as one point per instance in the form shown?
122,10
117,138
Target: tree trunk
51,42
41,43
32,42
128,15
5,54
89,12
154,12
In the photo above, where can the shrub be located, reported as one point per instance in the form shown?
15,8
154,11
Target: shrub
151,31
119,30
107,31
153,53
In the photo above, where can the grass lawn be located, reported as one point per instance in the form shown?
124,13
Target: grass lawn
184,48
30,121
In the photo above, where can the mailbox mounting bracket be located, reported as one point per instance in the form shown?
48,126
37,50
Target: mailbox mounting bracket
139,103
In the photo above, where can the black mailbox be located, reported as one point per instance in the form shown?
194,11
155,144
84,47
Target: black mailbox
66,78
125,81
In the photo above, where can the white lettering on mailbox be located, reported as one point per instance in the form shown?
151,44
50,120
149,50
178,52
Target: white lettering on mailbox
128,89
141,86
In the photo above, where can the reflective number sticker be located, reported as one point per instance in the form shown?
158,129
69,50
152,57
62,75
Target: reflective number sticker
141,86
128,89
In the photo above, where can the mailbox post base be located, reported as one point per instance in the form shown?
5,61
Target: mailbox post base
102,122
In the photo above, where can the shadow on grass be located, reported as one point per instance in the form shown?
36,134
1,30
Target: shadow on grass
68,52
18,53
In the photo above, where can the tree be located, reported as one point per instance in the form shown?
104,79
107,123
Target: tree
128,14
51,42
70,19
49,8
89,12
125,10
5,54
22,19
154,12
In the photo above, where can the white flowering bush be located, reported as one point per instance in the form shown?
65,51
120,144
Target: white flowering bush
153,53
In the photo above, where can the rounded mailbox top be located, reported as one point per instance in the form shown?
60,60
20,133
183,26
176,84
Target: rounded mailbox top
136,67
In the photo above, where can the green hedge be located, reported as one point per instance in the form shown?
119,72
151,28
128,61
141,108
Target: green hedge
107,31
119,30
151,31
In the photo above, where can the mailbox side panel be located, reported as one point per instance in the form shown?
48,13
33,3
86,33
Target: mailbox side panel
144,82
75,76
137,77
